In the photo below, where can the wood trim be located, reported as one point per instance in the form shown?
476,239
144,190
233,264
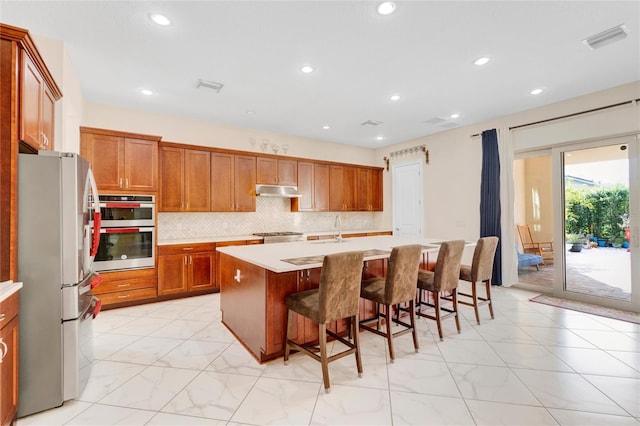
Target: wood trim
118,133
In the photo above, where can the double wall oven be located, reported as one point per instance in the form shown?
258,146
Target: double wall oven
128,233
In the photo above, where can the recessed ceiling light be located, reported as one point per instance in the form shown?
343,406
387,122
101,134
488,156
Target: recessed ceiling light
481,61
379,138
536,91
455,115
394,97
386,8
146,92
251,112
326,127
160,19
307,69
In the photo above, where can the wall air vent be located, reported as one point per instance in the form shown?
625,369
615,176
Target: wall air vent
371,123
607,37
209,85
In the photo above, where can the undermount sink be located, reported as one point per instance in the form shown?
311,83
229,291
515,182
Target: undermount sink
333,241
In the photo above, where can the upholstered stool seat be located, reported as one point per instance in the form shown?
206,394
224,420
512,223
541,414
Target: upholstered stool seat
337,297
443,279
480,271
397,287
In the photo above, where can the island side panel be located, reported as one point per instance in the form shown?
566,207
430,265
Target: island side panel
243,304
279,286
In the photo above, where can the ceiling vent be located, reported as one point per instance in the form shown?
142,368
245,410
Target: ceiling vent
607,37
371,123
209,85
436,120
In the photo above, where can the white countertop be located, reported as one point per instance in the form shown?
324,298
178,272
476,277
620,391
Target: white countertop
7,288
269,256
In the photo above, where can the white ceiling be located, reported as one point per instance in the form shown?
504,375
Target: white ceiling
424,52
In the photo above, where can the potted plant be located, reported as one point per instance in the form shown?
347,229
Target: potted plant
576,242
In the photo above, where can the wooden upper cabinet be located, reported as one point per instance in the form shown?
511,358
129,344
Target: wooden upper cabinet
222,182
313,184
171,179
233,183
185,180
273,171
342,188
121,162
369,189
37,106
245,183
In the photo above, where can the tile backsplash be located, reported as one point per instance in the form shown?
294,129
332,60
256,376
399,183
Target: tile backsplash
271,215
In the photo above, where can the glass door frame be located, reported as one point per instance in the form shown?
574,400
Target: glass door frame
557,155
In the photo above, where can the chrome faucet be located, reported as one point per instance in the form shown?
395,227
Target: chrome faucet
338,225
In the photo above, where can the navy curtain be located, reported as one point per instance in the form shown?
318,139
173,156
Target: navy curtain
490,197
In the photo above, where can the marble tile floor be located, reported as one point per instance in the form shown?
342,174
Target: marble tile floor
174,363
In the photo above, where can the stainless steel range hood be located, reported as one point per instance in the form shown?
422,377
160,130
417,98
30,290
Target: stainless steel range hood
282,191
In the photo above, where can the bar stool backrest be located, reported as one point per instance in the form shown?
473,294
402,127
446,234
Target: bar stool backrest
402,273
339,292
447,269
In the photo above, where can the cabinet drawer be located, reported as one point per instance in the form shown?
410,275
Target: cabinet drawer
125,285
127,296
186,248
9,308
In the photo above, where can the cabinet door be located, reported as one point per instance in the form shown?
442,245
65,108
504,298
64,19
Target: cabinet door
337,189
30,103
106,155
197,180
9,372
245,183
375,192
321,187
222,182
201,271
267,171
287,172
48,118
305,187
171,182
172,274
141,165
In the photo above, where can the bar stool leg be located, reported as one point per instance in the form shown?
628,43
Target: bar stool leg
488,286
322,337
454,294
289,327
388,319
356,342
414,332
436,303
474,296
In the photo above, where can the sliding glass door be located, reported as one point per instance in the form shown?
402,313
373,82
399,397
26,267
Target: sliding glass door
596,206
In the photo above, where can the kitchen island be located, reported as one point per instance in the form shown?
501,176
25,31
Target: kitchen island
256,279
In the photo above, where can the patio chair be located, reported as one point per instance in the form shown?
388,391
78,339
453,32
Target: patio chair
543,249
527,259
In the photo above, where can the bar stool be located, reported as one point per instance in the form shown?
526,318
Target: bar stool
481,270
443,279
399,286
336,298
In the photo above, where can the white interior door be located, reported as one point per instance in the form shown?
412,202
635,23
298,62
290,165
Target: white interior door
407,199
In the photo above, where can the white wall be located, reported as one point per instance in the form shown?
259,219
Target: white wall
452,178
194,132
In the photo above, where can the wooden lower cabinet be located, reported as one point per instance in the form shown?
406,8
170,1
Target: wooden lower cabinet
124,287
9,359
186,268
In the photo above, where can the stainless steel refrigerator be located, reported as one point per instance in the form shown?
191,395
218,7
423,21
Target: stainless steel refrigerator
56,193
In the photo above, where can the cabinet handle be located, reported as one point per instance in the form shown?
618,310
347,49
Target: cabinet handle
126,183
190,260
4,350
187,248
238,275
185,260
2,317
124,296
120,184
124,285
